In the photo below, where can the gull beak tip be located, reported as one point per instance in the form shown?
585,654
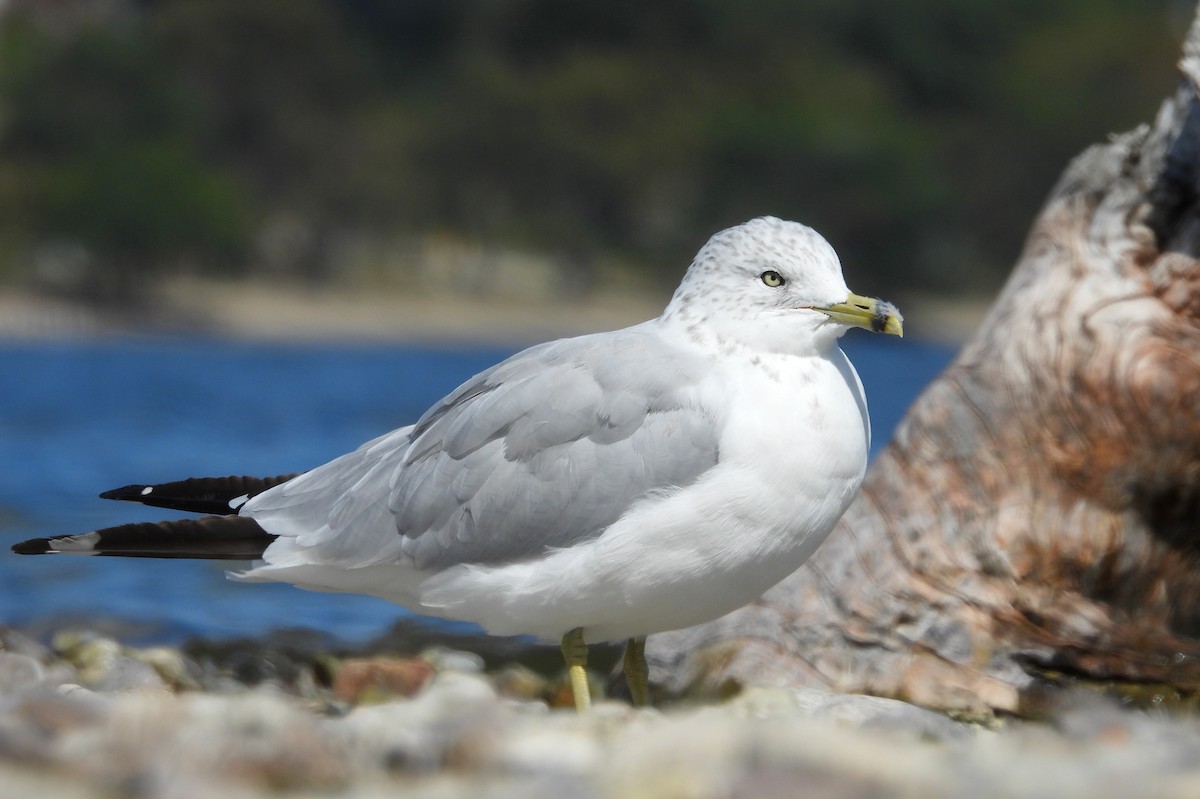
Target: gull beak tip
893,321
878,316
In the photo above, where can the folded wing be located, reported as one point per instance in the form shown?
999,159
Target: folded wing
543,450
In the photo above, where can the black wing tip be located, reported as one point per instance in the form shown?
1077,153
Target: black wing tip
205,538
134,493
84,544
34,546
217,496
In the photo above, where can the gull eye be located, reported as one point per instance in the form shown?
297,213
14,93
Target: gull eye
772,278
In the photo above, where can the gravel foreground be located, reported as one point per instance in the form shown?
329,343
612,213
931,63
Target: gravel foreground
88,717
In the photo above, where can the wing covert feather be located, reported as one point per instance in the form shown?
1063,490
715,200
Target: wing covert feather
543,450
549,448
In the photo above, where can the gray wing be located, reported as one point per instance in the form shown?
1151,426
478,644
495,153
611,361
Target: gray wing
550,447
543,450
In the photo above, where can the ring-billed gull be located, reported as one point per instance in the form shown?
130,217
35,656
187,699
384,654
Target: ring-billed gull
596,488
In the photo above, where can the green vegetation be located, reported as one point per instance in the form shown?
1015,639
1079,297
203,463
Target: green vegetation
919,136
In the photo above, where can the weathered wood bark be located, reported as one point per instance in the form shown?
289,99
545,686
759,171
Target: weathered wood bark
1039,508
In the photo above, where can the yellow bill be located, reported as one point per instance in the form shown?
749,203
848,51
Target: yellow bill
878,316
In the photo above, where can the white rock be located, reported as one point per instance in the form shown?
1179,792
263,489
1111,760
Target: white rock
18,672
444,659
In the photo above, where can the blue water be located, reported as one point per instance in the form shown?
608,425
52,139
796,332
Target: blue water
80,417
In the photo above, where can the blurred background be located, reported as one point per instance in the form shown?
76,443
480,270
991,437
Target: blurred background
539,150
243,237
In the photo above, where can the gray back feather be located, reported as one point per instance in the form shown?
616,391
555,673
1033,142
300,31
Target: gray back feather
550,447
543,450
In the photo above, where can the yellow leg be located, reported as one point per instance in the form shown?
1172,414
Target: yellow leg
637,676
574,651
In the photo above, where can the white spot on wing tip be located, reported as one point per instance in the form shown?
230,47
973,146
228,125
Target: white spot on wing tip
238,502
147,490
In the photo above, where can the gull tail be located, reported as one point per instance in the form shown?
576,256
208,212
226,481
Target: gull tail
208,537
220,496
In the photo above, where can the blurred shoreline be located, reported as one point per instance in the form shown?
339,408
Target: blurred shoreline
263,310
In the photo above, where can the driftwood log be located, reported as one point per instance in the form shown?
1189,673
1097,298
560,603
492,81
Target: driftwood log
1037,515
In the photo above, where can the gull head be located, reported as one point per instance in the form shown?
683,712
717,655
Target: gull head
773,285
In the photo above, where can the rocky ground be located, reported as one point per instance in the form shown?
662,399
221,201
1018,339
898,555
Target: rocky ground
83,716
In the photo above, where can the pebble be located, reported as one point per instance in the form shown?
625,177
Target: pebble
520,682
18,672
847,710
91,718
445,659
170,665
361,680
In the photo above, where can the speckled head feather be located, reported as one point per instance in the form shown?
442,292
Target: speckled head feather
724,296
